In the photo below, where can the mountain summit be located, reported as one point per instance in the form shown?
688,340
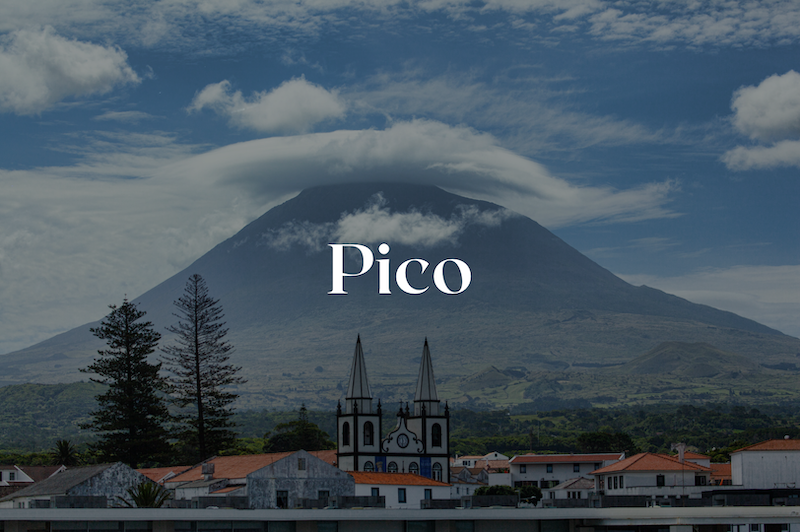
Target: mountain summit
533,303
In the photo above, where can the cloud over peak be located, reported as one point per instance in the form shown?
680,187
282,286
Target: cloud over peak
39,68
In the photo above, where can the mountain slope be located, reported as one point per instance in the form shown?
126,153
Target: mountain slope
534,301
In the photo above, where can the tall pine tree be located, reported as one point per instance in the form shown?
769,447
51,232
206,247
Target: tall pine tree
132,411
201,375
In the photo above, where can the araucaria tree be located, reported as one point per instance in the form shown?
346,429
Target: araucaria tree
201,376
131,413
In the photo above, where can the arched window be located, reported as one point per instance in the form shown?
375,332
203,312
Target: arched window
437,471
436,435
413,468
369,467
368,433
346,434
392,467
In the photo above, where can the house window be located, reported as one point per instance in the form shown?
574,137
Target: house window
523,469
392,468
436,435
12,476
401,495
413,468
456,490
552,494
620,482
437,471
323,496
549,468
576,468
699,480
616,482
282,499
301,464
346,434
755,528
428,495
369,430
369,467
376,492
660,481
1,476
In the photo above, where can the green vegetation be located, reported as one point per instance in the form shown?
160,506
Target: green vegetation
145,495
131,411
33,417
299,434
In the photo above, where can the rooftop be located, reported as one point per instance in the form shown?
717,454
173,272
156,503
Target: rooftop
563,458
399,479
651,462
773,445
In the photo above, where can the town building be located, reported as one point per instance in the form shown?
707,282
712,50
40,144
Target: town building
275,480
400,490
14,478
767,465
646,477
97,486
419,444
547,471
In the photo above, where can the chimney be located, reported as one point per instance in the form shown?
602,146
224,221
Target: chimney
208,471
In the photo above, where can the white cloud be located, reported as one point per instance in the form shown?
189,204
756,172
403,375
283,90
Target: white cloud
422,151
376,223
767,113
87,230
767,294
783,153
174,25
529,119
293,107
40,68
771,110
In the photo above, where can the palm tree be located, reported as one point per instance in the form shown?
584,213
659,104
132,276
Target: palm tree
64,453
146,495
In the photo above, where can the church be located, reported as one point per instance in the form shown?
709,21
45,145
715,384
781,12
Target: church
420,443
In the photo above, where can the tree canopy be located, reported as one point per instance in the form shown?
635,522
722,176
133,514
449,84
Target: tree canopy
132,411
296,435
200,375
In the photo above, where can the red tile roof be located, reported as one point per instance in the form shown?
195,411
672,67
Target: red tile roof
242,465
560,458
773,445
395,479
651,462
695,456
157,474
720,471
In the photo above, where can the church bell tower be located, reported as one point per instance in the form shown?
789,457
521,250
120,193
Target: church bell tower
359,427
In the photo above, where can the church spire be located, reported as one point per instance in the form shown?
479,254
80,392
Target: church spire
358,393
426,397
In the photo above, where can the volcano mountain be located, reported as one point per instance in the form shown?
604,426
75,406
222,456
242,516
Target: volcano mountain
535,306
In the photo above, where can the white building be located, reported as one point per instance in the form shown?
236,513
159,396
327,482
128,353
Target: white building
400,490
653,475
767,465
549,470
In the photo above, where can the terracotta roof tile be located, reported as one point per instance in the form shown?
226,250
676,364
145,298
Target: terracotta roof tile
399,479
239,466
563,458
651,462
157,474
720,471
695,456
773,445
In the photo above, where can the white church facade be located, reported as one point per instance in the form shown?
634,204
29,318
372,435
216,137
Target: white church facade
419,444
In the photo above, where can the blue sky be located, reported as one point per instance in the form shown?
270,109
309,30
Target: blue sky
661,139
